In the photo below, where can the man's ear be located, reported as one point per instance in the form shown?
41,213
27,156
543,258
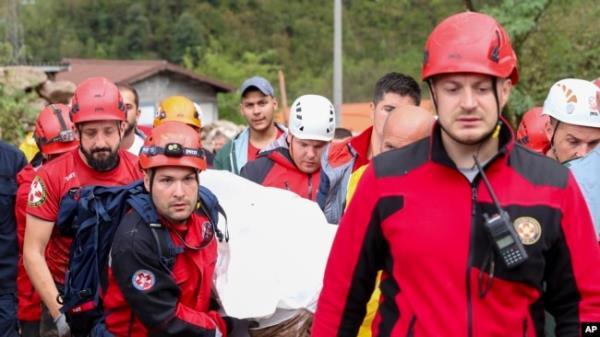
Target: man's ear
505,90
275,104
147,180
549,128
372,107
122,128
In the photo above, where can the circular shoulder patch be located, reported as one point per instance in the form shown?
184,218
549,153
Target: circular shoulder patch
37,192
529,229
143,280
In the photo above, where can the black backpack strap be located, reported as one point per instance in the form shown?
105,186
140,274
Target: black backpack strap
167,251
210,206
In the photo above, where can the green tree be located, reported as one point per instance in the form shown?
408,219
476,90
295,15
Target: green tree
15,114
217,64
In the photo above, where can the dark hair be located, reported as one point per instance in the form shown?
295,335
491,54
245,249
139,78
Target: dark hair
125,86
397,83
341,133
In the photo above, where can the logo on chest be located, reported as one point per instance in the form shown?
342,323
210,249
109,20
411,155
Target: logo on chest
529,229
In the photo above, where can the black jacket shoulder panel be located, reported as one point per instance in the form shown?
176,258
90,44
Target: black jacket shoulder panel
257,170
403,160
538,169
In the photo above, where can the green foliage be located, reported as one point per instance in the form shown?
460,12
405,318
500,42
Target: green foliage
231,40
216,63
15,114
5,52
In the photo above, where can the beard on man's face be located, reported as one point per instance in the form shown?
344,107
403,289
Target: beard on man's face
101,159
129,129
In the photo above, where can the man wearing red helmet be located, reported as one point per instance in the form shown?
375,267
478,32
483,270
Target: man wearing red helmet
98,113
532,130
474,235
54,135
147,295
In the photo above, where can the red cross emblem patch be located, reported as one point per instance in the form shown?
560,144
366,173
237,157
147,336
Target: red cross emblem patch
143,280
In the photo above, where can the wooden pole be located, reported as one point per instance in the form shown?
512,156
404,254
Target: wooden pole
283,93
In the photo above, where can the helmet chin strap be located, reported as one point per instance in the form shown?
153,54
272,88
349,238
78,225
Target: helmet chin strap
552,147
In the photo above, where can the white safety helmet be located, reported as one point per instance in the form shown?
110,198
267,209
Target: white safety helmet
312,117
573,101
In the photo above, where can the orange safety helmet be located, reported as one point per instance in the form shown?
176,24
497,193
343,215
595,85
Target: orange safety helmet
470,42
173,144
177,108
531,131
54,130
97,99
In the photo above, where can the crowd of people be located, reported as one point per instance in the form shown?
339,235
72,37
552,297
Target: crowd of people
449,223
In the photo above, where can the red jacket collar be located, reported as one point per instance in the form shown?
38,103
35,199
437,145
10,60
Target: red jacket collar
361,144
438,152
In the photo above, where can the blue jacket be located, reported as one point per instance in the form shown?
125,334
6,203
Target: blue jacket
12,161
587,173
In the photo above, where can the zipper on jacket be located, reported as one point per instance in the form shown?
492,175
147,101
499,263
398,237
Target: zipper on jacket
411,326
309,194
232,160
525,327
470,259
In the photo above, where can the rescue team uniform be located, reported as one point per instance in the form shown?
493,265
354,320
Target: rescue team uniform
147,295
54,180
339,161
275,168
29,308
420,220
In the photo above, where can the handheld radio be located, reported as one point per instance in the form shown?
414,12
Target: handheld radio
501,231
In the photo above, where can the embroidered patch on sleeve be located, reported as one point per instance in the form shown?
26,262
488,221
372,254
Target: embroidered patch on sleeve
37,193
143,280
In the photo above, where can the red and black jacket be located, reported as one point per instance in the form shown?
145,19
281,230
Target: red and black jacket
149,294
30,305
275,168
417,218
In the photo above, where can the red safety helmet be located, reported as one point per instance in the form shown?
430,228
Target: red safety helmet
532,133
54,130
470,43
97,99
173,144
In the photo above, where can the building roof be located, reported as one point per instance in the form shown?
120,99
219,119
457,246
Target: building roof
130,71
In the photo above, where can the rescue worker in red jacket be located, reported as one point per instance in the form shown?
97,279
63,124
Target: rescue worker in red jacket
98,112
458,259
293,162
147,296
54,135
